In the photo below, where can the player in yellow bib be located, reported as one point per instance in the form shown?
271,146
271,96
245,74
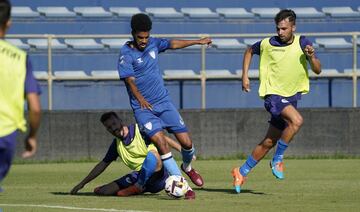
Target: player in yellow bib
283,79
137,152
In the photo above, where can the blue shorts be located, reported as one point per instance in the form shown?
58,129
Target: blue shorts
155,184
7,152
274,104
163,116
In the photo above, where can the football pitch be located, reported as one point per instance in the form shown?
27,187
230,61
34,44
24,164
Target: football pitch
309,185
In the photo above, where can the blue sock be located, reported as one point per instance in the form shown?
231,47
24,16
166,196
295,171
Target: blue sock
170,164
280,149
187,156
148,168
248,165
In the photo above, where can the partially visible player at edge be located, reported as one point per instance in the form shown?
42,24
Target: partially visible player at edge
283,79
16,83
150,100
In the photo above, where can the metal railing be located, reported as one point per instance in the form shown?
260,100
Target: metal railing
202,77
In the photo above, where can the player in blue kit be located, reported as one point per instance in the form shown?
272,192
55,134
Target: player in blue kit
17,83
283,79
149,98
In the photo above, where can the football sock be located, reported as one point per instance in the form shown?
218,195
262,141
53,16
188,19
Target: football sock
170,164
148,168
187,155
280,149
248,165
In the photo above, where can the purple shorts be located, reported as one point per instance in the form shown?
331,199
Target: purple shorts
7,152
274,104
155,184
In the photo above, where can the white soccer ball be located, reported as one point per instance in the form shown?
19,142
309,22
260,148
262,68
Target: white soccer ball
176,186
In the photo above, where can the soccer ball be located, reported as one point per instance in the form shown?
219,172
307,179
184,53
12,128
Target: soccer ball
176,186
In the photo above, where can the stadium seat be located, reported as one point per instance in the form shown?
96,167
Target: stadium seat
105,74
340,12
124,11
85,43
349,71
18,43
230,43
180,74
71,75
23,12
234,12
307,12
114,43
43,43
199,12
253,73
266,12
41,75
57,12
251,41
333,43
163,12
92,12
218,73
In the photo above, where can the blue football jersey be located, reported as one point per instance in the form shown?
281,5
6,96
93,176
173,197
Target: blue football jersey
143,65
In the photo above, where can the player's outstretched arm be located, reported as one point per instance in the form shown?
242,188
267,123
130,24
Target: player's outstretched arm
130,81
314,62
34,122
179,44
96,171
245,69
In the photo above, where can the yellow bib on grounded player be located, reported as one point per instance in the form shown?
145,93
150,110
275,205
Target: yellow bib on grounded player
283,69
12,88
134,154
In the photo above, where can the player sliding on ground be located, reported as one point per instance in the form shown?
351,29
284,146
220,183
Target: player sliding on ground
137,152
283,79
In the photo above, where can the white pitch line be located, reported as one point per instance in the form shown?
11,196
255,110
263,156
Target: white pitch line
69,207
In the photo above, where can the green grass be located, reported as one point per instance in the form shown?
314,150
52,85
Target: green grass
310,185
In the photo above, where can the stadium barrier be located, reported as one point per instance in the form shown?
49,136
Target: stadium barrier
203,77
78,135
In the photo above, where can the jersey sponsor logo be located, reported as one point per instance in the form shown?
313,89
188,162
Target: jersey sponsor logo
139,60
278,50
148,125
284,101
152,54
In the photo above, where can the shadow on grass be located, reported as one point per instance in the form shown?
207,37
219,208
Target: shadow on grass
78,194
229,191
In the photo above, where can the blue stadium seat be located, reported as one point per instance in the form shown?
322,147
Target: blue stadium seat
125,11
42,43
86,43
18,43
58,12
234,12
199,12
340,12
105,74
265,12
23,12
251,41
181,74
163,12
253,73
71,75
307,12
92,12
333,43
41,75
114,43
229,43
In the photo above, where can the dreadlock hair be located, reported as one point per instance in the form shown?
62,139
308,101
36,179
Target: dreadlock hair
5,11
140,23
284,14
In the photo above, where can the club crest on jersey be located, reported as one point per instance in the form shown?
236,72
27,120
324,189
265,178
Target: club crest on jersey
148,126
139,60
152,54
284,101
181,121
